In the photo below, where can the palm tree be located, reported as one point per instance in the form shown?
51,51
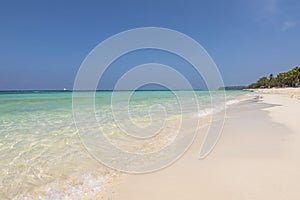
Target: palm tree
296,76
271,81
289,79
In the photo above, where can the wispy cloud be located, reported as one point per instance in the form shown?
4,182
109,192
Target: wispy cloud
288,25
271,6
267,9
272,14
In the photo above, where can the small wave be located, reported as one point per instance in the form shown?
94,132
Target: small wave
233,101
205,112
89,187
208,111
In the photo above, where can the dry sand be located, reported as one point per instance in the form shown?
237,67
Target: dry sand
291,92
257,157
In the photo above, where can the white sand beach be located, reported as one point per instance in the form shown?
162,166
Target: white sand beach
291,92
257,158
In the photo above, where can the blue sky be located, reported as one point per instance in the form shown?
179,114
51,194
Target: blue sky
43,43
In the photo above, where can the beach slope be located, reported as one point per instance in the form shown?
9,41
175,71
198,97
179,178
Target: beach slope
257,157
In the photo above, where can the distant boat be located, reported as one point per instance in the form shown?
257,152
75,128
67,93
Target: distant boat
65,89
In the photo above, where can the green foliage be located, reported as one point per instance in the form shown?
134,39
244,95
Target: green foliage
284,79
239,87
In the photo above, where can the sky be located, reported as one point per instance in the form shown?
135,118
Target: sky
43,43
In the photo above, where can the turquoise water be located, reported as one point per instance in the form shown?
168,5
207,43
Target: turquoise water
41,155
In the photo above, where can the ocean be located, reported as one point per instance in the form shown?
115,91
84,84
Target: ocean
42,155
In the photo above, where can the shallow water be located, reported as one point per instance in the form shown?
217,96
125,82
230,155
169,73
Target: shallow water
41,154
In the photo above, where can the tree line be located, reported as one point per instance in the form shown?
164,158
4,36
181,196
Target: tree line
284,79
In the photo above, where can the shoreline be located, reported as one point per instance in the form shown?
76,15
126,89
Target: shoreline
52,156
256,158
